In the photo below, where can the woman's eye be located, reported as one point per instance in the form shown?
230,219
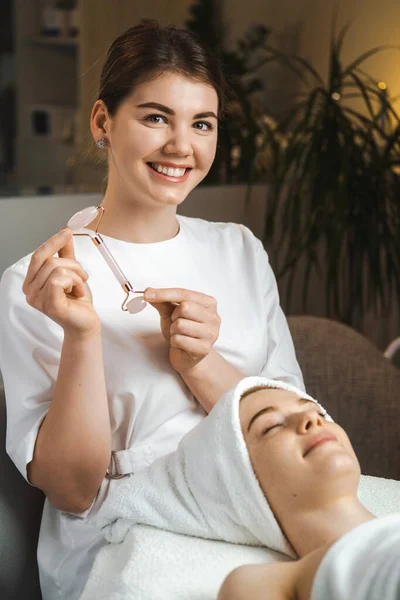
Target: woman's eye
203,126
157,119
270,427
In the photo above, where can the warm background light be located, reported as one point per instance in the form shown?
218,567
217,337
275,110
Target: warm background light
304,27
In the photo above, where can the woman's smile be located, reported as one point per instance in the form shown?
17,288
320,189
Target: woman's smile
170,172
319,440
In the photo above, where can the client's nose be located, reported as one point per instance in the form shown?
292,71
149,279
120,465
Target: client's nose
308,420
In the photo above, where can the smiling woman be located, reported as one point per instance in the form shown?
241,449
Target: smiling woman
309,475
105,393
149,151
289,440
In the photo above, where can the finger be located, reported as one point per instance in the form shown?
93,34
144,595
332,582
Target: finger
195,348
56,264
68,283
59,290
55,291
165,309
191,329
179,295
67,251
45,251
191,311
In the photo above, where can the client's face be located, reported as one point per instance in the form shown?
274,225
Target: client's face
300,459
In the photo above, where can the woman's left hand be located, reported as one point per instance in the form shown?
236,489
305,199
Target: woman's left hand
189,322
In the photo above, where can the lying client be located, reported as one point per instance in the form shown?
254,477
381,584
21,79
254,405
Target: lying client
267,467
309,474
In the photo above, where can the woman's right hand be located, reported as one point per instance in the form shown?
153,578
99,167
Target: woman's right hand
57,286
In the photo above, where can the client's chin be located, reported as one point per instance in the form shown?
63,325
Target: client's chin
336,473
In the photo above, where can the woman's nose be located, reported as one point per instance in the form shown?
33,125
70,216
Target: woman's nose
179,143
308,420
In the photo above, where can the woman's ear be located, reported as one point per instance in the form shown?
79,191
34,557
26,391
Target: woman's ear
100,121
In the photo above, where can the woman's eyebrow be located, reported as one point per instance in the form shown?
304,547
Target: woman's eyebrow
273,409
205,115
261,412
169,111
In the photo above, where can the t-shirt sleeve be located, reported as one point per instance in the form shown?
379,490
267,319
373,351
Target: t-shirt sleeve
281,362
30,349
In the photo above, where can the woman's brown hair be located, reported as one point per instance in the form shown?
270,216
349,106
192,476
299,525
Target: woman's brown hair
149,50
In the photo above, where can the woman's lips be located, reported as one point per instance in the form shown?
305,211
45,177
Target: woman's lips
168,177
318,440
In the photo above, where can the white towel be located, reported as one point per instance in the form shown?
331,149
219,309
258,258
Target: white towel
363,565
153,564
206,489
380,496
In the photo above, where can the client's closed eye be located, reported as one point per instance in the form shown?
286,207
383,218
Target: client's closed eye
270,427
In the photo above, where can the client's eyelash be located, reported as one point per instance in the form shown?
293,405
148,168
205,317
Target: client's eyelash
271,427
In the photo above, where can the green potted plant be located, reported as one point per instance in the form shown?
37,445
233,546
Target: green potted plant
334,203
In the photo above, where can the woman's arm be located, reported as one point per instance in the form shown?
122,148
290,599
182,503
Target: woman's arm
211,378
73,447
190,324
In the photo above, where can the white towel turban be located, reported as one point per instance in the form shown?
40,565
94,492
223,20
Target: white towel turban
206,488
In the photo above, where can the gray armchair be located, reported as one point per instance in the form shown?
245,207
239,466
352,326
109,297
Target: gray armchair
351,378
20,513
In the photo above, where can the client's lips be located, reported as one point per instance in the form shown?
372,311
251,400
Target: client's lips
317,440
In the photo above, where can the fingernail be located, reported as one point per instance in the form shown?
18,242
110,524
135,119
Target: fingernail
149,295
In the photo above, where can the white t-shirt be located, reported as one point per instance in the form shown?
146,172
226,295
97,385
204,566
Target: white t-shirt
150,405
363,565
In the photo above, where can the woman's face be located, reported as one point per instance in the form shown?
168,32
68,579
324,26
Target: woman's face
300,459
162,140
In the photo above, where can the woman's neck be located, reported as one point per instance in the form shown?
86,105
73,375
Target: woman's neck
310,530
132,222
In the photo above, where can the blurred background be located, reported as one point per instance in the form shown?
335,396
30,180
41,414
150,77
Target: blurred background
308,154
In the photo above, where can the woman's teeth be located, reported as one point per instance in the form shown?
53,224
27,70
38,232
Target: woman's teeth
168,170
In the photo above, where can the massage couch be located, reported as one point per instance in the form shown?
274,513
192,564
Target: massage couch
349,376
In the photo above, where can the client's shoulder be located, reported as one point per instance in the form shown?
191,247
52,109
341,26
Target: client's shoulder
275,581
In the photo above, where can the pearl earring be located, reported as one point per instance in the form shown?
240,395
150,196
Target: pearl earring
101,143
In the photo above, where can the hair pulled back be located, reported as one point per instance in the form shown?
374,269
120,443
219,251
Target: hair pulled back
148,51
